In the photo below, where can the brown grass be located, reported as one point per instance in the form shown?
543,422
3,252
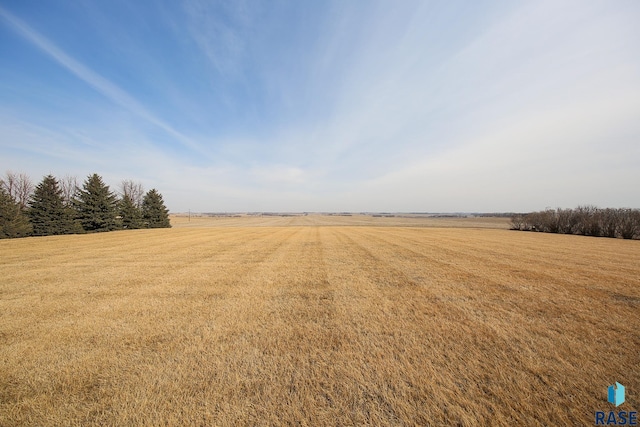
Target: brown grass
337,220
316,325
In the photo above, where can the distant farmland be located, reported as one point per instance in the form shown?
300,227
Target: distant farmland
317,321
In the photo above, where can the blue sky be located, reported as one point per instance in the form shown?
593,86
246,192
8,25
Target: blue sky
435,106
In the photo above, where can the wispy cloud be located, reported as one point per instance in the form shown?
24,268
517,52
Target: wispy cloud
219,30
346,106
95,80
400,105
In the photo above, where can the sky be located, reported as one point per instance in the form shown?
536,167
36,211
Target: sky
319,106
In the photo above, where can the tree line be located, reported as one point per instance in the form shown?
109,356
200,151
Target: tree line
584,220
63,207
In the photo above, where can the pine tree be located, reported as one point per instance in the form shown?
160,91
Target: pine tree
130,214
95,205
154,212
13,221
46,210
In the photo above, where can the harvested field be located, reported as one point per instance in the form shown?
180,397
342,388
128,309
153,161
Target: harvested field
231,324
339,220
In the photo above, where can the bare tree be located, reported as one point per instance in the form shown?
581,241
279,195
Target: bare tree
24,189
19,186
629,222
609,222
517,222
132,190
536,221
588,220
567,221
69,186
9,183
550,221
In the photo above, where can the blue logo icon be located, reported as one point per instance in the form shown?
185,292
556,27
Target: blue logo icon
616,394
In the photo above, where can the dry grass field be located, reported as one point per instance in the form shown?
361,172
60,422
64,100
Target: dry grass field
353,220
294,321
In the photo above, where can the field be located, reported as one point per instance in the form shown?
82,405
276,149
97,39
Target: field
317,321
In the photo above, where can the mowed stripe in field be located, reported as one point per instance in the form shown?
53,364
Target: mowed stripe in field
316,326
520,332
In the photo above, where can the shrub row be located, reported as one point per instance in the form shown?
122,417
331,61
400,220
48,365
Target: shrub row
583,220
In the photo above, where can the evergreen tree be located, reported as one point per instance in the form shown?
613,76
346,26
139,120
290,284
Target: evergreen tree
130,214
154,212
13,221
46,210
95,205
